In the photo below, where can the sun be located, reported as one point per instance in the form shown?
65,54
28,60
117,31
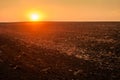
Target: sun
35,17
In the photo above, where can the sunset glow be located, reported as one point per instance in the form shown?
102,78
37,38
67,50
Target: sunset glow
35,17
59,10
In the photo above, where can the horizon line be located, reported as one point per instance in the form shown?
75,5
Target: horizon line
56,21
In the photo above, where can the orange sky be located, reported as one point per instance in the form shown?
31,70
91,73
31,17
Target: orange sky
61,10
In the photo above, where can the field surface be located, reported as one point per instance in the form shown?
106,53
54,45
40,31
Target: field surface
60,51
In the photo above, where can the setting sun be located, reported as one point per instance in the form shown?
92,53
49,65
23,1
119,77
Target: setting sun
35,17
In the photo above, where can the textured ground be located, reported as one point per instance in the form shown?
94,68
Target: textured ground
60,51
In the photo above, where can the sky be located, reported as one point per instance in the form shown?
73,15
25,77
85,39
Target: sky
60,10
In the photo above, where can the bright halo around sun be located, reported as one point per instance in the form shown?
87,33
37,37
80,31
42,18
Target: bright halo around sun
35,17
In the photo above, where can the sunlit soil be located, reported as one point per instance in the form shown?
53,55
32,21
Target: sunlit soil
60,51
